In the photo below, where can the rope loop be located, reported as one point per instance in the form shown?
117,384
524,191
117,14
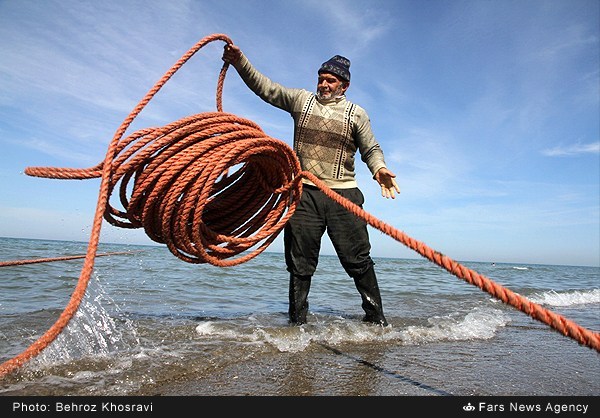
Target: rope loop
210,186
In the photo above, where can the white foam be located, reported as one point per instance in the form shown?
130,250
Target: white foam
567,298
205,328
478,324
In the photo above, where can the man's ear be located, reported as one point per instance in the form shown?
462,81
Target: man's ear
345,85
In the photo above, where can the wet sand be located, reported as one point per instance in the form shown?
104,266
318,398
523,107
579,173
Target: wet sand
560,367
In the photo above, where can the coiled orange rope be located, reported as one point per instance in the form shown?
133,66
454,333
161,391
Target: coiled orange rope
183,195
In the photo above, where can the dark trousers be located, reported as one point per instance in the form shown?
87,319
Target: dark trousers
315,214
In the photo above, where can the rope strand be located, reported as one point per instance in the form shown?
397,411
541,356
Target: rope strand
216,189
65,258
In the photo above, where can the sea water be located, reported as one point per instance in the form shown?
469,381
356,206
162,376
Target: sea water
148,319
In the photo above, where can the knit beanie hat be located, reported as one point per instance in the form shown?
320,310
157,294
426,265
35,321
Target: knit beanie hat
337,65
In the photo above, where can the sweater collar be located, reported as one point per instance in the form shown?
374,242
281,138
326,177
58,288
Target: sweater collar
331,101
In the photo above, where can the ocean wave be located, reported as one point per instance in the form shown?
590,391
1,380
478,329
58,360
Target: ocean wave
480,323
567,298
297,338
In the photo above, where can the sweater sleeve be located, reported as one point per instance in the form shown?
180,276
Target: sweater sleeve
370,151
268,90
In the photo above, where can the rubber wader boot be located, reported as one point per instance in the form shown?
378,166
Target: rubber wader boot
299,287
367,286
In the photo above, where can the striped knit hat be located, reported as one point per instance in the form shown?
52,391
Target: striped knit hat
337,65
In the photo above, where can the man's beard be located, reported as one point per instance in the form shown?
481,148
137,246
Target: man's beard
330,95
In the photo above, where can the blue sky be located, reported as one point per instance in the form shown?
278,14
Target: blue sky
487,110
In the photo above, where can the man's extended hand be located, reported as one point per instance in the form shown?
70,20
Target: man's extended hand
231,54
387,181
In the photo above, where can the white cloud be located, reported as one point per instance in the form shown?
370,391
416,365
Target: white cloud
575,149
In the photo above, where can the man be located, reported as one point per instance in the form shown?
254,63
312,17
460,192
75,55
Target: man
328,130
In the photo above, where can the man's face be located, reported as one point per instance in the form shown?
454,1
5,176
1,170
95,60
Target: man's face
330,87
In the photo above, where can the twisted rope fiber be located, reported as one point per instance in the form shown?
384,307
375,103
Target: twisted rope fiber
53,259
183,194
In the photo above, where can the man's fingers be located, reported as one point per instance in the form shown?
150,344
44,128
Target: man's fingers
396,185
387,192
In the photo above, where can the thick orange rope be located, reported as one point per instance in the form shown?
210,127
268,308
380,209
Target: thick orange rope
183,195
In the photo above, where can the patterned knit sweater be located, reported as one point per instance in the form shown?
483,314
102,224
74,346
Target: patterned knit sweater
327,134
